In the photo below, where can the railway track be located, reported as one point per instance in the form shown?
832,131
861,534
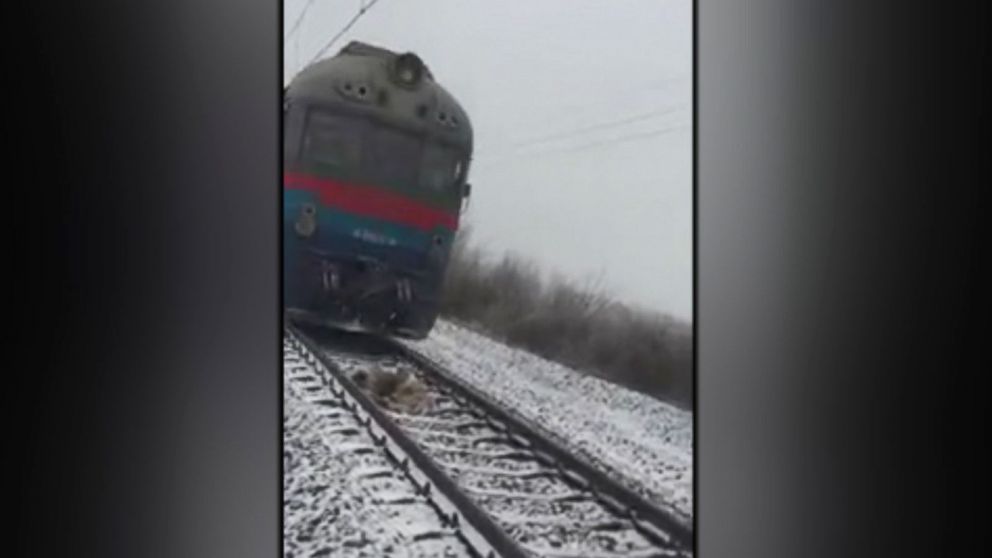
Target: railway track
350,488
540,497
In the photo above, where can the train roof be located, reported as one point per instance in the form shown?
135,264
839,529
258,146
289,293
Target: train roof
394,87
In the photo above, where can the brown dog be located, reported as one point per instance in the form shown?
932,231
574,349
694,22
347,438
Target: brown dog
399,391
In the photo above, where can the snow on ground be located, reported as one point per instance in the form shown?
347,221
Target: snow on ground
646,442
342,497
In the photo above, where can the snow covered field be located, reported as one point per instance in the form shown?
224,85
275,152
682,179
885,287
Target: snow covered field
647,443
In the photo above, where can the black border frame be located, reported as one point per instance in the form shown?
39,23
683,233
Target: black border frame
141,384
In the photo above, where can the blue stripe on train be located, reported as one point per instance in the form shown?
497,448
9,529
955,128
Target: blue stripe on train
342,233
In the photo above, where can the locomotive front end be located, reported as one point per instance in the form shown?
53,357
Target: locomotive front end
376,158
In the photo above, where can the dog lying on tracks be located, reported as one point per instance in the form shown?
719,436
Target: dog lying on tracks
399,391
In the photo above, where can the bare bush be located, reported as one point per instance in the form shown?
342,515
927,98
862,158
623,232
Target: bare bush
576,324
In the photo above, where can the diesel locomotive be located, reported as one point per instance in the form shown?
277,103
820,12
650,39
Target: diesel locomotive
376,158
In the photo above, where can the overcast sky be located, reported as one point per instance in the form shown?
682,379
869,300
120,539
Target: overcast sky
582,111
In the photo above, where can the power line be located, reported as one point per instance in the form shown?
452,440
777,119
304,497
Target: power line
515,149
586,146
622,139
360,13
611,98
299,20
593,127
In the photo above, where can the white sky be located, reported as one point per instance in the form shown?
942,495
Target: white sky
582,112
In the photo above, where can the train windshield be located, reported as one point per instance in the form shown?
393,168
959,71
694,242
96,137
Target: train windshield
443,169
332,142
393,157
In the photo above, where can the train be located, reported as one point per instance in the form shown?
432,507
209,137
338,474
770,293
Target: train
376,159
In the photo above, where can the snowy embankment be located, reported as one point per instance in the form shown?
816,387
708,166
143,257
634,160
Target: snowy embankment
646,442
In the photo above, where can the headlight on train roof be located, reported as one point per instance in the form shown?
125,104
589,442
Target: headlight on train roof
408,70
356,89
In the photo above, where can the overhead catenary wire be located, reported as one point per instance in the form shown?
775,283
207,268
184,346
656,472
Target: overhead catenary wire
515,150
365,8
622,139
586,146
299,20
593,127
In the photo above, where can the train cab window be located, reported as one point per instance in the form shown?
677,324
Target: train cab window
442,170
292,130
332,142
393,157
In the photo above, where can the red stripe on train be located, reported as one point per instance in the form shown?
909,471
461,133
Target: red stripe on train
371,201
